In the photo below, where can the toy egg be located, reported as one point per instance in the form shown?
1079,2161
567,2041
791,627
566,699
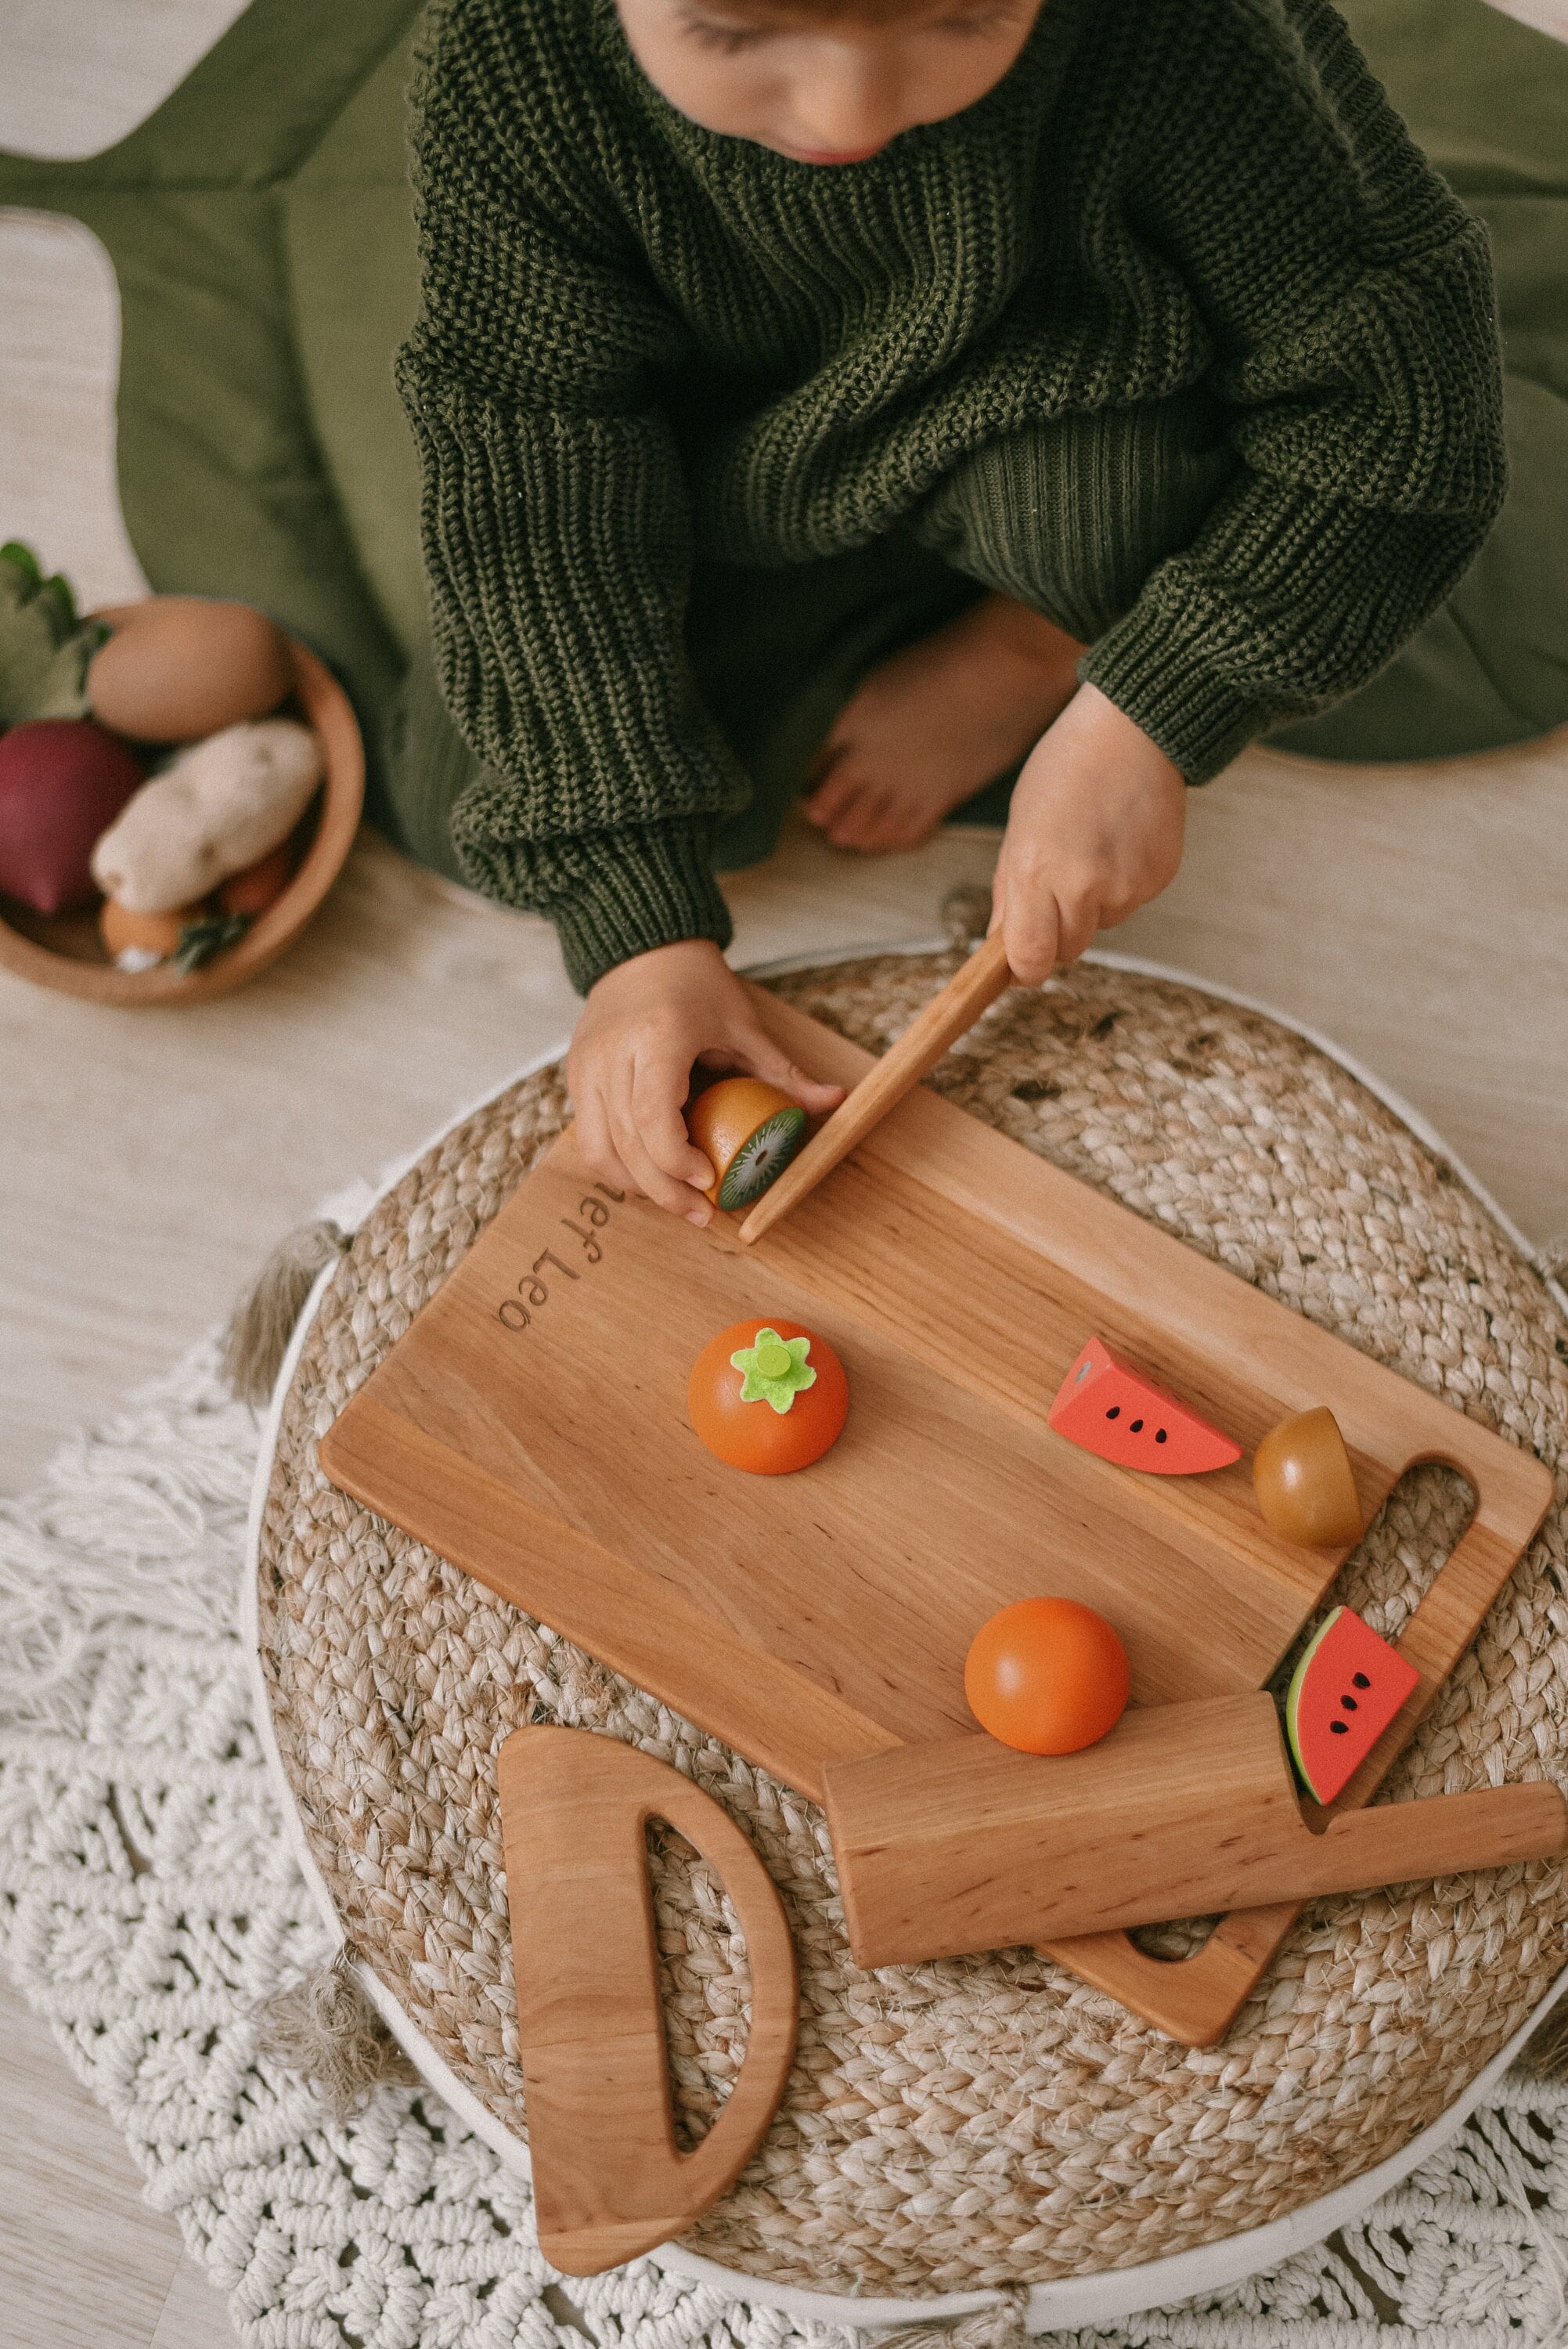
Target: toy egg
1047,1676
748,1132
768,1396
1304,1483
178,667
63,781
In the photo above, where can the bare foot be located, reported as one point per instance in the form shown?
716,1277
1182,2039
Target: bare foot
937,722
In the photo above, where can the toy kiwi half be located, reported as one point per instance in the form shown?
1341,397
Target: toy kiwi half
748,1132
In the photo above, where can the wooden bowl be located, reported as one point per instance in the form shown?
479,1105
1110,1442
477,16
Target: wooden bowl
65,951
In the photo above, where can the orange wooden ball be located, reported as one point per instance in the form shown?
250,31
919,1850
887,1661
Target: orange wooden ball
1047,1676
753,1435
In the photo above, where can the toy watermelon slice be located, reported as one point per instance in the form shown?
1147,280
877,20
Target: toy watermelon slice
1110,1407
1343,1694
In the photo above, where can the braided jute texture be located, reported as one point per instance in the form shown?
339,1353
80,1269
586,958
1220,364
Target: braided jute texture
990,2121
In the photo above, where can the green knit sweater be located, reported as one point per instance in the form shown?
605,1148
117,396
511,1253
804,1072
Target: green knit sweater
641,343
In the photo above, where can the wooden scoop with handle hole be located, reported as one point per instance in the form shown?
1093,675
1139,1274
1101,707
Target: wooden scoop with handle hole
949,1015
1183,1810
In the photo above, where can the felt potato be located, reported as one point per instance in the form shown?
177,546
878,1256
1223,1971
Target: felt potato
178,667
217,809
62,781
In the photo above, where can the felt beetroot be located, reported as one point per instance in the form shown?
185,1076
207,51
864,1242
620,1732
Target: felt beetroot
63,781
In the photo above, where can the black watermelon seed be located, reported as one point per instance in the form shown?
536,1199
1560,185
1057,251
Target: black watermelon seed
1359,1680
1339,1728
1137,1426
1115,1412
1160,1435
1349,1703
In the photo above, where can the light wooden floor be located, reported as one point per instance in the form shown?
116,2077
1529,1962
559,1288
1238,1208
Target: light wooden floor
147,1161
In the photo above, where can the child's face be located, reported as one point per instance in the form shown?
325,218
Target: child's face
823,87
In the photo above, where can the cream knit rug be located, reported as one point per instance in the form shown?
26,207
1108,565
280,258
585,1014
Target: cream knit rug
150,1906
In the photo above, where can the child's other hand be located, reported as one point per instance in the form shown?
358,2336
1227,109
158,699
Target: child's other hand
1095,831
644,1027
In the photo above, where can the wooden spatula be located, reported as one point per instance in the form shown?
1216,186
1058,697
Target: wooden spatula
948,1016
1184,1809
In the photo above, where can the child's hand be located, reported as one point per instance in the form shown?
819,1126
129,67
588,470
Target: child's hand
643,1026
1094,831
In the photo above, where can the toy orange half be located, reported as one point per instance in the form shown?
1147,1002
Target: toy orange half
748,1132
762,1399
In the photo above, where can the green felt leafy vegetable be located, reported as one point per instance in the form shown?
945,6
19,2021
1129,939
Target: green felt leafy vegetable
201,941
775,1370
44,645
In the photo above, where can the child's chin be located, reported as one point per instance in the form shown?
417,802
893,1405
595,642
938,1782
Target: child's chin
826,155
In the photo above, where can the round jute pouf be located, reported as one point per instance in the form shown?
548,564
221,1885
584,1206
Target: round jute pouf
995,2121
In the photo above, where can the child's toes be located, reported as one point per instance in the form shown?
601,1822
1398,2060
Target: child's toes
838,792
870,819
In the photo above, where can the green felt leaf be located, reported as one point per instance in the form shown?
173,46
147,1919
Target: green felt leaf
44,645
775,1370
200,941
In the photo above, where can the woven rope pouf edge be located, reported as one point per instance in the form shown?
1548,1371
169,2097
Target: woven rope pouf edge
1019,2122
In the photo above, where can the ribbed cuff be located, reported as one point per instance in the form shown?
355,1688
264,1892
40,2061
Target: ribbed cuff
1169,683
628,892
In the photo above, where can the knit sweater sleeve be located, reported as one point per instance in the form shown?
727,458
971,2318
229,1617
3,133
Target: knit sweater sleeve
557,540
1348,296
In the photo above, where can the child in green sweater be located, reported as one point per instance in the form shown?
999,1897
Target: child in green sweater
864,398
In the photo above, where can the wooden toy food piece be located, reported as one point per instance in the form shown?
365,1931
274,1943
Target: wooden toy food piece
748,1132
178,667
62,781
259,885
138,941
1183,1810
1347,1689
768,1396
1047,1676
1304,1484
608,2182
223,804
1109,1406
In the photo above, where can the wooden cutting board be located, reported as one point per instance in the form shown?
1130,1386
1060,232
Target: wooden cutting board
532,1428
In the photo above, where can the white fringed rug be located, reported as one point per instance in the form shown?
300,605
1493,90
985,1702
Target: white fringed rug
150,1904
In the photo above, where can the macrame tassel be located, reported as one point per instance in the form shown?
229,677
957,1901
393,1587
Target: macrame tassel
326,2029
965,915
257,1338
1551,1258
1001,2327
1544,2054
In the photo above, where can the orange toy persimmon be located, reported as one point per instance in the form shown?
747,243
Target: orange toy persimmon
780,1408
1047,1676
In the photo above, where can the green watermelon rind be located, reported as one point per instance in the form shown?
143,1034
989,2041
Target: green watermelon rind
1293,1698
